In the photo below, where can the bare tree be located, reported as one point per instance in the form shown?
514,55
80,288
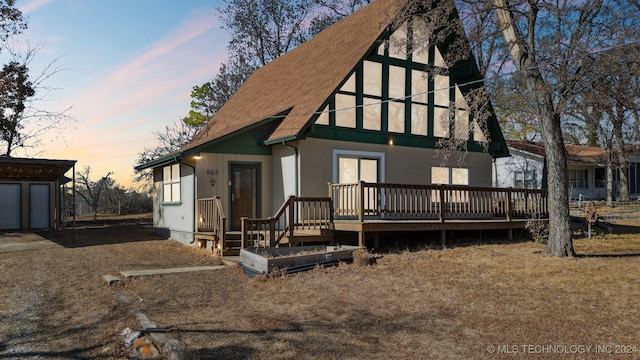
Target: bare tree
172,138
264,30
23,121
91,191
539,50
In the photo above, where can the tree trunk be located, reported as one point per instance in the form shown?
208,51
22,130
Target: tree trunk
559,242
622,157
609,179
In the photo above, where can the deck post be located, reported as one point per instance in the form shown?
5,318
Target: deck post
243,231
361,238
272,232
292,220
508,205
443,238
361,201
442,204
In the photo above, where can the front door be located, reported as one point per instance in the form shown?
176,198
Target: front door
244,192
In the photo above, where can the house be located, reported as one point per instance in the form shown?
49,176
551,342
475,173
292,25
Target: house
587,167
30,192
353,104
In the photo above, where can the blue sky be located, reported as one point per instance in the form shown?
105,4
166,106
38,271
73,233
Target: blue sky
129,66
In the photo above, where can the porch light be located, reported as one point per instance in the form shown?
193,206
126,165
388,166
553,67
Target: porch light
391,142
197,156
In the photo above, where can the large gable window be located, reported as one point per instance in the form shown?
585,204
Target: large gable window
403,87
171,183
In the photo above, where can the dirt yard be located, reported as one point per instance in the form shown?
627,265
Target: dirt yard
488,301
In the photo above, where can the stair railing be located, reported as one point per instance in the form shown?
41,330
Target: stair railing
295,214
211,219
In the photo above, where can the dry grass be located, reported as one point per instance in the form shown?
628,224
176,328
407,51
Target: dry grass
446,304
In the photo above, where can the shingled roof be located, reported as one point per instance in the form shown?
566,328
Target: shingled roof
576,154
296,85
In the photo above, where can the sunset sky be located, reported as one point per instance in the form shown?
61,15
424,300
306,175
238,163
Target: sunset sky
129,67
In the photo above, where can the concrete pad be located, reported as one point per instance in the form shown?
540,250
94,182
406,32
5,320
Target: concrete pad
133,273
231,260
21,241
110,279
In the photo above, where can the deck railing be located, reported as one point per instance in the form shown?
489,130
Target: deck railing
296,214
211,219
365,201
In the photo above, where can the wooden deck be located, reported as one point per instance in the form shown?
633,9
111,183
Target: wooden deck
374,207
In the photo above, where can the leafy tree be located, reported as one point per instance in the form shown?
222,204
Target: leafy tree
202,107
15,89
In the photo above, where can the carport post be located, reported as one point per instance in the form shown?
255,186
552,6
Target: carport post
74,203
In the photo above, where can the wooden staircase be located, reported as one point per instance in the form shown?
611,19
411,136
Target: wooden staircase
300,221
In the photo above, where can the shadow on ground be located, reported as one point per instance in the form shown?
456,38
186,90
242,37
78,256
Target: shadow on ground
103,232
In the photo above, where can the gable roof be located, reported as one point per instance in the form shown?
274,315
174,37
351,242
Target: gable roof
296,85
576,154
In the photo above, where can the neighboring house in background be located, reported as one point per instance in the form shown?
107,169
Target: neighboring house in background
587,166
30,192
352,104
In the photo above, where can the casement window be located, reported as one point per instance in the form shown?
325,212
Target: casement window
171,183
524,179
578,179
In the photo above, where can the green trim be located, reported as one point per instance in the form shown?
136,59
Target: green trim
230,147
282,139
171,158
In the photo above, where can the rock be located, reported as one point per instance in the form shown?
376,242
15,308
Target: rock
129,336
143,348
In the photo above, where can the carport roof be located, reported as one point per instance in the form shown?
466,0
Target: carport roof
22,169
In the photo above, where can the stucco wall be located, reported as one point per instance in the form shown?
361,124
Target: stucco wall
175,220
407,165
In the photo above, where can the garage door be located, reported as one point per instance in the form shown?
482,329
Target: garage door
9,206
39,202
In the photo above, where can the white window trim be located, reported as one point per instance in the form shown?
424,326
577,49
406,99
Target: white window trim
171,182
366,154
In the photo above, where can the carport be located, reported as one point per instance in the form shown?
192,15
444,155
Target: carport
32,192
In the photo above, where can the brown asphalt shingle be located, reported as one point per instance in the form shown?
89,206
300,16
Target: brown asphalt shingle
300,81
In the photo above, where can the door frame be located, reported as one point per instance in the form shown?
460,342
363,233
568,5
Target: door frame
258,166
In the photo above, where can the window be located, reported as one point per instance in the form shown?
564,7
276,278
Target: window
449,176
578,179
354,169
524,179
601,177
171,183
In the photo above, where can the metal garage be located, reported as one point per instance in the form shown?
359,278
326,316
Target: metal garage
31,192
